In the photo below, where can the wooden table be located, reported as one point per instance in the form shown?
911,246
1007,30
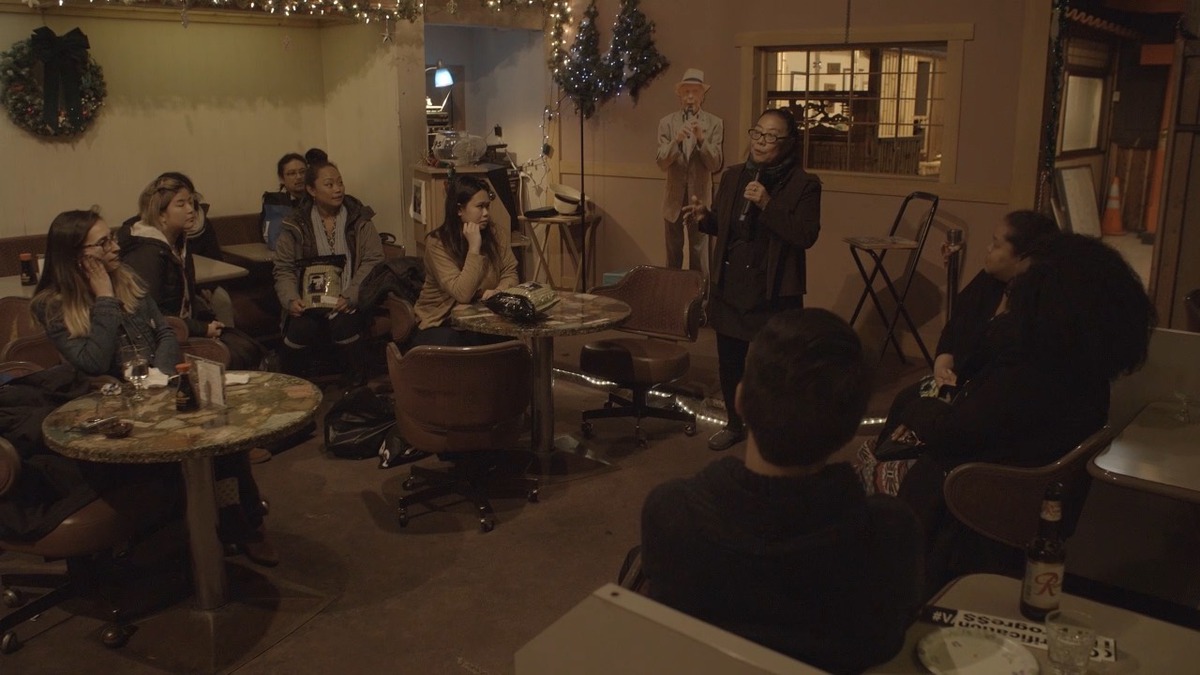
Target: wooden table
1144,645
583,255
268,408
253,252
210,271
575,314
1155,453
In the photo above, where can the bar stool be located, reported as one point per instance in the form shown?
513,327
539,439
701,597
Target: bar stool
876,248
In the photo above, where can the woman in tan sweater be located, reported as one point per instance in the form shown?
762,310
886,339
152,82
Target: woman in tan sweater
466,259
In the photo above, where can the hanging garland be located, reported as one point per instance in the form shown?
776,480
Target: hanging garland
23,95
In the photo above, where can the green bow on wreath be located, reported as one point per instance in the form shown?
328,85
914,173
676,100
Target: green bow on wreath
63,62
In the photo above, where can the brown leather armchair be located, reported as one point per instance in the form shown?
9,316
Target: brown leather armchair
21,338
87,539
1002,502
666,308
204,347
35,348
467,404
16,320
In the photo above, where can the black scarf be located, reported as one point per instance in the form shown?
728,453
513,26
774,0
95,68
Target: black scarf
770,176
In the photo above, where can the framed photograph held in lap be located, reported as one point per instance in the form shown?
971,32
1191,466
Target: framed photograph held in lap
321,281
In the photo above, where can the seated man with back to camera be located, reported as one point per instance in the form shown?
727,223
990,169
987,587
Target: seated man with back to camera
783,548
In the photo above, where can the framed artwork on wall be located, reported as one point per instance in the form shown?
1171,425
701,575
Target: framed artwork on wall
1077,208
419,201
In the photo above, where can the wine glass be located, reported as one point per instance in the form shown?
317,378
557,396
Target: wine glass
135,363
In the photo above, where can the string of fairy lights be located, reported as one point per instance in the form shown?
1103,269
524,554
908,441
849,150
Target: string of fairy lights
366,12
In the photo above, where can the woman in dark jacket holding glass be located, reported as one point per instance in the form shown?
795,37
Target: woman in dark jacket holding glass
767,212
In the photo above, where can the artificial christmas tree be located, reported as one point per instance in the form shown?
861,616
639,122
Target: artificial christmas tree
632,60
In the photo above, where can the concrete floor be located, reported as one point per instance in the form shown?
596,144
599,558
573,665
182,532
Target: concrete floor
356,593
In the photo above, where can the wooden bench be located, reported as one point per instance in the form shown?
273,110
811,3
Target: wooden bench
255,304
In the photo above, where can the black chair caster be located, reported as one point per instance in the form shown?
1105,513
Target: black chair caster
9,643
115,637
12,598
689,430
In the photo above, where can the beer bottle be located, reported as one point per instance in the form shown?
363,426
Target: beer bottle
1044,558
185,393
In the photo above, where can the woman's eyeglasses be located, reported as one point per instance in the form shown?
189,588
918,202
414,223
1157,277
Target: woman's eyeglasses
769,137
105,243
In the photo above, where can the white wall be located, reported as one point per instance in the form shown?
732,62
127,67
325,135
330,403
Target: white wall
363,128
219,102
506,80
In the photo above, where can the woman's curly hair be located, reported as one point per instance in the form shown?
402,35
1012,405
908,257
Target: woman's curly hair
1082,309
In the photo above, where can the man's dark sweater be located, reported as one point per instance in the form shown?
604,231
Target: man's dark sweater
810,566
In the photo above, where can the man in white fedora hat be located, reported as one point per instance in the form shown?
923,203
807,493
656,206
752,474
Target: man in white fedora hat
689,150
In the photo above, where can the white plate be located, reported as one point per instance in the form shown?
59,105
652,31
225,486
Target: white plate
969,651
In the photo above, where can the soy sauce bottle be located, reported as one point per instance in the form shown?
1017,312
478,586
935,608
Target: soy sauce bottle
29,275
185,393
1044,560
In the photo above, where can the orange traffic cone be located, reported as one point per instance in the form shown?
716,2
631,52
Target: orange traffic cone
1112,211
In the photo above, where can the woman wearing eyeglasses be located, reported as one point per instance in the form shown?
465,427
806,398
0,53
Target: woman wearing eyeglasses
90,304
767,212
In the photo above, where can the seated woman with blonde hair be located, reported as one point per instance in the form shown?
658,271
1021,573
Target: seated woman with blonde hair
158,248
90,305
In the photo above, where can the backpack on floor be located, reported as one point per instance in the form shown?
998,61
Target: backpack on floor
359,424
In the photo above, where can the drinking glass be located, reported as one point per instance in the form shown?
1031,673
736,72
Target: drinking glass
135,363
1070,636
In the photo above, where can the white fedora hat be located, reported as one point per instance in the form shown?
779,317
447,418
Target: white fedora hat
693,76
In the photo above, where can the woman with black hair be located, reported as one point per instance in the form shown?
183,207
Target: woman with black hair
767,212
466,259
1072,323
278,204
328,224
290,169
977,332
960,349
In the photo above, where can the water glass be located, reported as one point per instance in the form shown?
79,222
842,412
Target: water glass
1070,636
135,364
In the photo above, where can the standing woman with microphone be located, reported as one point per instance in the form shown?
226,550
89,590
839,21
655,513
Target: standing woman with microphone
767,212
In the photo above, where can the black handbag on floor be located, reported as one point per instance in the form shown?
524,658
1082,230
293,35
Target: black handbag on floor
358,425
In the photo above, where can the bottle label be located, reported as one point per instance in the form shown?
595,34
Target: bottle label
1052,511
1043,584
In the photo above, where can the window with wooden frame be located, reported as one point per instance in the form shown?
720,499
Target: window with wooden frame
867,108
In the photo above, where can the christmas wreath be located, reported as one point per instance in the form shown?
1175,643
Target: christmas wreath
65,100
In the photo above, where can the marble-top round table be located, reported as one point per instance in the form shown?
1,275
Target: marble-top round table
269,407
575,314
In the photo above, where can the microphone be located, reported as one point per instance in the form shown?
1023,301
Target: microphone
746,206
